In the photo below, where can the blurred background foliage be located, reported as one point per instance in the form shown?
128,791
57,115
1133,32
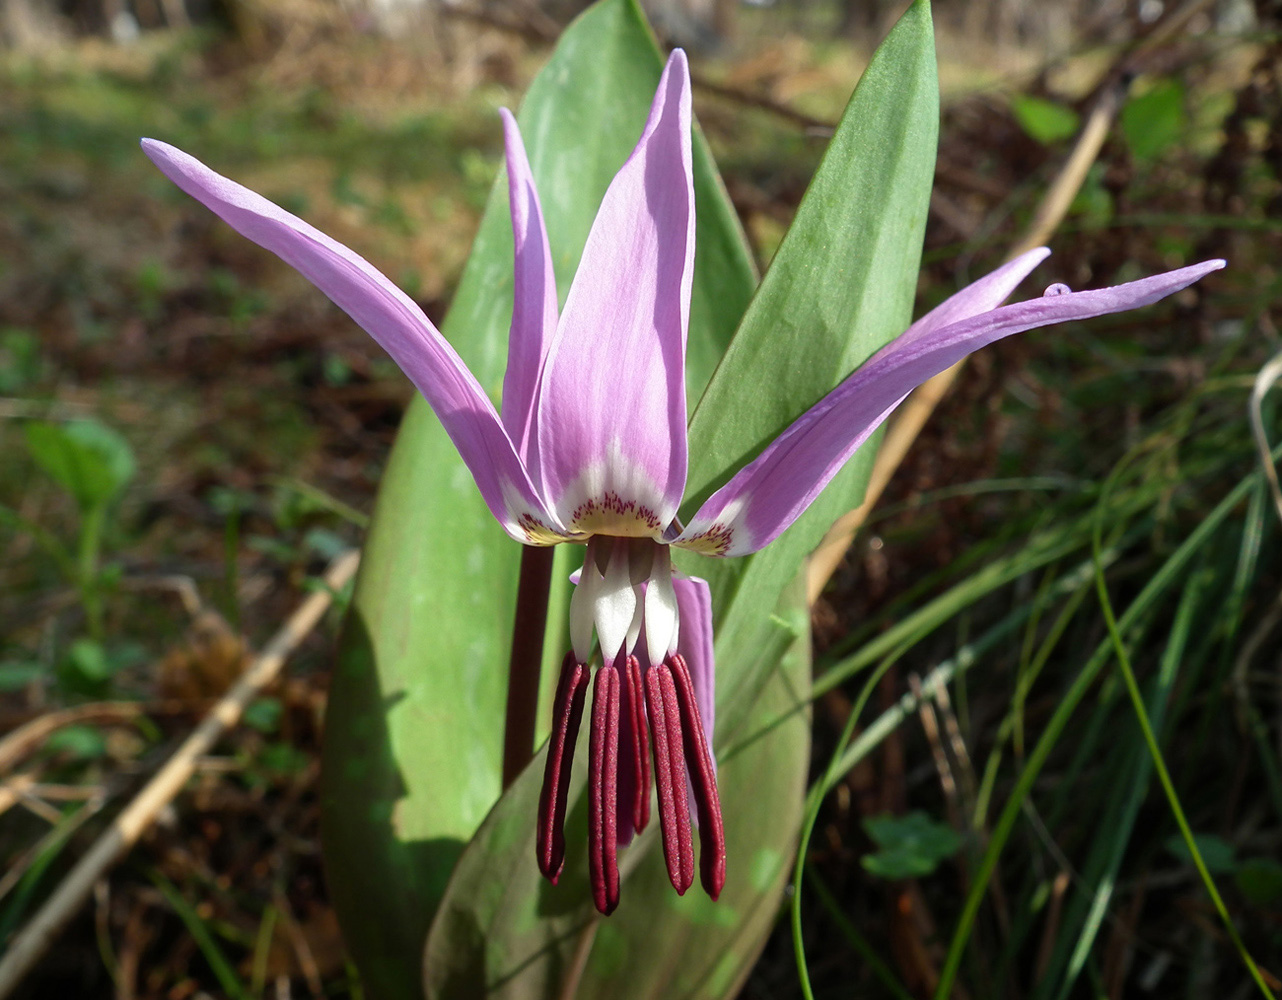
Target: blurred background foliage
188,434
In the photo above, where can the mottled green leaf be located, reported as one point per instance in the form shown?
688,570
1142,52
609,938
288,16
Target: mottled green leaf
414,727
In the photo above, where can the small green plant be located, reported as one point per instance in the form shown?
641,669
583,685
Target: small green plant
93,464
1044,121
1155,121
911,846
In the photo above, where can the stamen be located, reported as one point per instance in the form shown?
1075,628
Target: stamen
640,745
670,775
703,779
603,784
567,712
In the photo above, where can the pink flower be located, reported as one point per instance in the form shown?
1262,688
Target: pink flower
590,446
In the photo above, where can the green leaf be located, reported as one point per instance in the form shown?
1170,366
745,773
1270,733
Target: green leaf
17,674
1093,202
283,759
88,459
78,742
1044,121
88,666
263,714
841,285
90,661
20,360
503,931
1155,121
912,846
1260,881
415,716
1217,853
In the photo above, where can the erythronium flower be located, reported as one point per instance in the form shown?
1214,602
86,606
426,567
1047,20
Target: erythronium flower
590,446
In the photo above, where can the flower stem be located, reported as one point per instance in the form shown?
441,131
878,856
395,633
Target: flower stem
527,659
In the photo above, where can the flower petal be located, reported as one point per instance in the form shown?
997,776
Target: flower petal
611,408
978,297
393,319
534,299
694,605
772,491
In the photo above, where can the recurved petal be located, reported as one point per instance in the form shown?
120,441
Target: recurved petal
770,492
978,297
611,408
393,319
534,301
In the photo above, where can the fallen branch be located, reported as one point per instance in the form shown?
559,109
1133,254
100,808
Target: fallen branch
34,939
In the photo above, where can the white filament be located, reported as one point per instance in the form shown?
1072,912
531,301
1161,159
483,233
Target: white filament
625,587
661,617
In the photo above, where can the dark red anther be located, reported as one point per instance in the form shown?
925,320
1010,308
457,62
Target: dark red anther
670,775
640,745
603,786
703,779
567,712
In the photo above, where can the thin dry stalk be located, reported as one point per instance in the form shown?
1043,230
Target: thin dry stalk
930,726
34,939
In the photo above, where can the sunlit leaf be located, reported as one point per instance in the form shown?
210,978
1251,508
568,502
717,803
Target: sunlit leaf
840,286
